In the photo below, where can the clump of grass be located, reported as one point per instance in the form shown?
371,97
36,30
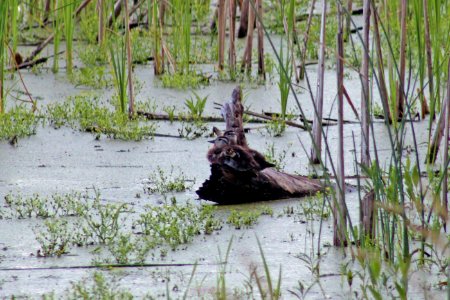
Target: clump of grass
17,122
246,218
103,221
276,127
196,105
100,288
36,206
87,113
93,76
55,237
128,248
277,158
192,130
175,224
312,208
163,183
184,81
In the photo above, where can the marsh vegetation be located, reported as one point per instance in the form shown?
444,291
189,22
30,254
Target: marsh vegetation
105,110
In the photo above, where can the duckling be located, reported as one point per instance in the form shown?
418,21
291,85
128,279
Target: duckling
216,149
226,152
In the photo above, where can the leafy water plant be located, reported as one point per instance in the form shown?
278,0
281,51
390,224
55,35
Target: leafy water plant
196,105
192,130
243,218
17,123
171,182
88,113
175,224
104,220
55,238
99,288
276,127
277,158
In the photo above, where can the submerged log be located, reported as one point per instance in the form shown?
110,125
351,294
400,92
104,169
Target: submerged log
240,174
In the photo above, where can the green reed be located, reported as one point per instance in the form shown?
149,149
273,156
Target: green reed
69,28
181,35
57,16
118,61
3,42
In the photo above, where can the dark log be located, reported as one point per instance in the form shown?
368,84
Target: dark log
240,174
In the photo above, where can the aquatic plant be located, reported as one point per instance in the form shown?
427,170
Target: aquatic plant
118,60
175,224
163,182
68,7
88,113
196,105
4,5
17,122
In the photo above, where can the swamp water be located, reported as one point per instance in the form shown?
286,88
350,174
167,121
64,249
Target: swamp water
63,160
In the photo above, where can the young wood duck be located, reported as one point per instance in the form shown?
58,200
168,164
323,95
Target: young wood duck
226,152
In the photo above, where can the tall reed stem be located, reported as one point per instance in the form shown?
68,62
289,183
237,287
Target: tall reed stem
69,6
445,160
232,37
101,21
222,26
247,61
3,41
259,11
317,124
129,63
340,214
401,81
365,103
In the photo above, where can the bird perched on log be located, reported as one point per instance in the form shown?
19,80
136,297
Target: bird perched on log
227,152
240,174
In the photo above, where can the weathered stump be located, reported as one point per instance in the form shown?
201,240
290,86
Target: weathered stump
240,174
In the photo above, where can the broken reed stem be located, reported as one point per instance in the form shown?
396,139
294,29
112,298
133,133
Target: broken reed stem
261,68
221,31
129,62
301,70
247,61
433,149
243,21
402,70
317,124
232,49
340,215
365,103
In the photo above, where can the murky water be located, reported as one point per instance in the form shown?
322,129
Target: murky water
58,161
